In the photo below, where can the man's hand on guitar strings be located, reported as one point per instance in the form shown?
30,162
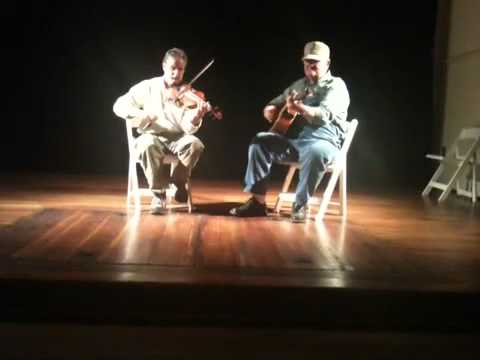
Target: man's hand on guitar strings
293,105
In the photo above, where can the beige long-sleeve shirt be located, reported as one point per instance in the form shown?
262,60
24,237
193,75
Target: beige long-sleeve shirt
148,98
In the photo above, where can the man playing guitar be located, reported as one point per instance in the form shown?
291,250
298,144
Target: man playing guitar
319,101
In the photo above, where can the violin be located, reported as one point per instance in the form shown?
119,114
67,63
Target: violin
190,98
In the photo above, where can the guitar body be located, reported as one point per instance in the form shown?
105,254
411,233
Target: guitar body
282,122
285,119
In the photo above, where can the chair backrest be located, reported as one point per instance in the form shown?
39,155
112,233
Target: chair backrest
467,142
349,133
470,133
130,137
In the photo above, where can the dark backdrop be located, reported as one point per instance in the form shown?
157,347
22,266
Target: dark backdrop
65,64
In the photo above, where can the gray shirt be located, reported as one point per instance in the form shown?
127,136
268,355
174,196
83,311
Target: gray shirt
329,99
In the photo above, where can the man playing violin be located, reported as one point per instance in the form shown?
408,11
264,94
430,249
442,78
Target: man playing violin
318,104
156,107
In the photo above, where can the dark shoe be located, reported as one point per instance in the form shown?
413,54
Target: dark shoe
181,195
298,213
250,209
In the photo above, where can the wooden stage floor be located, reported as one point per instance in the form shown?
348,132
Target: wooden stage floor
398,241
74,232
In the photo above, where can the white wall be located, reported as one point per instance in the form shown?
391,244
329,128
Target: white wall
462,78
462,102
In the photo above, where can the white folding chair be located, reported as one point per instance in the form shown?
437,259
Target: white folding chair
134,191
464,156
337,170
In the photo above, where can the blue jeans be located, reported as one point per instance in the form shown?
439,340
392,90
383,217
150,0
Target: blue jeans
313,153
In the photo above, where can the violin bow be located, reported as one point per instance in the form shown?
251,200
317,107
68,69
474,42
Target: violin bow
194,79
201,72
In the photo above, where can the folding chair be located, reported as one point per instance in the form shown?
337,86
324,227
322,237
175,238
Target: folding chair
134,191
464,154
337,170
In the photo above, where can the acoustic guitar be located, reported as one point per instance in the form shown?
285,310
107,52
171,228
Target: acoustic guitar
284,119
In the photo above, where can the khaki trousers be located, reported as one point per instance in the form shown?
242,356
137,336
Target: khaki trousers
150,150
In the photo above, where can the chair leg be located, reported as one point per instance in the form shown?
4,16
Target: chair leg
129,188
133,194
189,196
434,178
343,191
327,195
474,179
458,172
285,187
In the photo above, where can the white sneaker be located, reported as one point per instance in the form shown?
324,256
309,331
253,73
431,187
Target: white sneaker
158,206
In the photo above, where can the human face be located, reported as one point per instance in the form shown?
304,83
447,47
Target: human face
315,69
173,70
